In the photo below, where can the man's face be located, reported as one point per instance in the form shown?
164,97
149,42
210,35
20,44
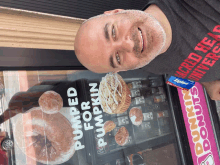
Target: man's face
119,41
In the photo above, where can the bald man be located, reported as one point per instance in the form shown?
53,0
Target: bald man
172,37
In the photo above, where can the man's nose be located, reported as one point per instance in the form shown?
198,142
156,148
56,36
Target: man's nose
127,44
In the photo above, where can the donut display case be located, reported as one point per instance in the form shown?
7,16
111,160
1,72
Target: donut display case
82,118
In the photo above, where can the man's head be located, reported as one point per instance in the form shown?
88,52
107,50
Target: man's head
119,40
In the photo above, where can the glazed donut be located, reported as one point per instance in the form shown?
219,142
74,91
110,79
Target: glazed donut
136,116
46,138
50,102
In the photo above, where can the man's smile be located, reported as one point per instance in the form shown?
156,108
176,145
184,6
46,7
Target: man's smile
142,40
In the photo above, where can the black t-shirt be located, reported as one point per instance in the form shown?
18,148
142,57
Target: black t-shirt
195,49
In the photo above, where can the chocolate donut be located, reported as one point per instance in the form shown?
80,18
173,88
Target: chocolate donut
50,102
122,136
48,139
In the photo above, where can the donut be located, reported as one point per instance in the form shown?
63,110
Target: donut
122,136
109,126
114,94
136,116
50,102
48,139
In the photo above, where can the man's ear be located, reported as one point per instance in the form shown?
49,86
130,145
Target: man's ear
113,11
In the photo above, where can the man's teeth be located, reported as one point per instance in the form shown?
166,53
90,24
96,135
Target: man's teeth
118,59
141,40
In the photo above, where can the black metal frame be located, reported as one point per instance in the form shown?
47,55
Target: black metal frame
38,59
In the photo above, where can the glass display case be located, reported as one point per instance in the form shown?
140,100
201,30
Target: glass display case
79,117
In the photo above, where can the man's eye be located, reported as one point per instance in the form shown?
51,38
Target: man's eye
118,58
113,32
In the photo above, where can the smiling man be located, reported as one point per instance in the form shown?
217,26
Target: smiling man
122,39
180,38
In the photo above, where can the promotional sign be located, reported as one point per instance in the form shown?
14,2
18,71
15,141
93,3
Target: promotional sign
88,120
198,126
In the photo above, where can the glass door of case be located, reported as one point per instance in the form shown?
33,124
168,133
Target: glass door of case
79,117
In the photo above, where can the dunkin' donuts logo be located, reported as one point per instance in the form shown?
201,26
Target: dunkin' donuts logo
197,125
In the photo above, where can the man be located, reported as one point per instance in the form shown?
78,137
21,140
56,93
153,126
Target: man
180,38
